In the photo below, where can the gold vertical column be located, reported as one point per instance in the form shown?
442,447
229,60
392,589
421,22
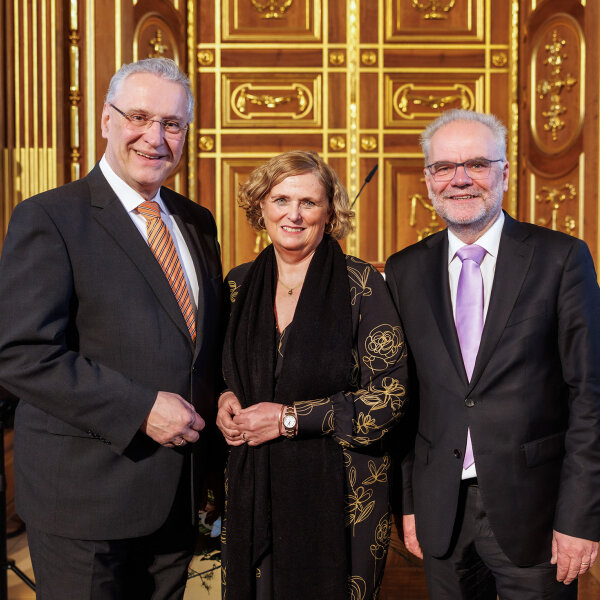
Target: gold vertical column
192,190
74,90
352,83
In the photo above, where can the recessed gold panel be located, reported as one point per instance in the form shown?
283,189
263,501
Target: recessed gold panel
434,20
242,243
417,101
276,20
557,84
153,38
276,100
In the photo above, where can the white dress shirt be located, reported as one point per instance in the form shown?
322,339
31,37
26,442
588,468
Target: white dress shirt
130,199
490,240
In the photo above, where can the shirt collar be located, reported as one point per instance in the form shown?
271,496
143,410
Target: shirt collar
126,194
490,240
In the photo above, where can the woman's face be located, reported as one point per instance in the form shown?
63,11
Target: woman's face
296,211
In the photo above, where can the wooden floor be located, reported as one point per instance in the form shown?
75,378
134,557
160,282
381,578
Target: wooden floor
404,578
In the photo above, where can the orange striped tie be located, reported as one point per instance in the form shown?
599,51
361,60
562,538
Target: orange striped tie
161,244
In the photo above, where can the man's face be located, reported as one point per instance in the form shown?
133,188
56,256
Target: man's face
463,202
144,158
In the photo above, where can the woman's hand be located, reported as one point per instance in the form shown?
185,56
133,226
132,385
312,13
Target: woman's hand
259,423
229,406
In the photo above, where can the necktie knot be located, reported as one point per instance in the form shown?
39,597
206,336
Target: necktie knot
149,209
472,252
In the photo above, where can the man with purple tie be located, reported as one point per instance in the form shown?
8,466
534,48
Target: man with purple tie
501,483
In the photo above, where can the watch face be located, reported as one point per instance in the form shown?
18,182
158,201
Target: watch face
289,421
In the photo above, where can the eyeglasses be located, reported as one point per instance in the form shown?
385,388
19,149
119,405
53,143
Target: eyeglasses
476,168
142,122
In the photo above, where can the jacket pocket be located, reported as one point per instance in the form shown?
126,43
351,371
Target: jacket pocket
525,312
542,450
422,447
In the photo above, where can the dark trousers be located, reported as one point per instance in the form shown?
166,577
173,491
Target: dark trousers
476,568
152,567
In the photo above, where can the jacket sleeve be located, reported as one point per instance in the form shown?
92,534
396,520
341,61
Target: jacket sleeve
578,506
363,415
39,358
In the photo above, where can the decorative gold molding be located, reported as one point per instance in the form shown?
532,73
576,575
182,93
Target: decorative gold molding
368,58
405,96
206,143
272,9
74,91
434,224
499,59
336,58
205,57
513,138
556,197
158,48
368,143
434,9
554,85
337,143
242,96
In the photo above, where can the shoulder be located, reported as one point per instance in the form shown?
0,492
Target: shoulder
411,253
358,268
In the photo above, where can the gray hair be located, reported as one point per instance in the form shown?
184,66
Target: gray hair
161,67
492,122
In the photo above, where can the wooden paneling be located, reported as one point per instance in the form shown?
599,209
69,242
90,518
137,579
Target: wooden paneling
558,115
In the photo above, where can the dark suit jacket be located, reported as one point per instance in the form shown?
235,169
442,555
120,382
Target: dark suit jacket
90,331
533,403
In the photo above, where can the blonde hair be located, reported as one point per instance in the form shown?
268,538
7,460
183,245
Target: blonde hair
297,162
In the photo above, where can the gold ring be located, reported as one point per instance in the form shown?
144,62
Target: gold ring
585,564
181,442
244,437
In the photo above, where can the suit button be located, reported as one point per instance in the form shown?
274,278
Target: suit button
457,453
470,402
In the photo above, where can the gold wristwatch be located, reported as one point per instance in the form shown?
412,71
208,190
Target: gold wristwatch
289,422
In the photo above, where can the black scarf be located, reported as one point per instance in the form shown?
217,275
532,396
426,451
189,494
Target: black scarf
287,496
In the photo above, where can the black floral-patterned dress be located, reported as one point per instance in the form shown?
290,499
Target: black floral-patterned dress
358,419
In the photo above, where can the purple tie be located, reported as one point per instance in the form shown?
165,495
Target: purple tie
469,316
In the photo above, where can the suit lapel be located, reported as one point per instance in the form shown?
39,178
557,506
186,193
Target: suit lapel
112,216
512,265
434,261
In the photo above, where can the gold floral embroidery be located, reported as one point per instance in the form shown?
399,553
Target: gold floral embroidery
384,346
305,408
382,537
378,473
357,588
359,277
355,375
358,502
234,288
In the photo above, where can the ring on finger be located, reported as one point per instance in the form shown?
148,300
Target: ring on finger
181,442
244,437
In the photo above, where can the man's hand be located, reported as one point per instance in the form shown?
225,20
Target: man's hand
229,406
172,421
572,556
410,536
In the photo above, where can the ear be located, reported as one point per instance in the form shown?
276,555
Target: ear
104,121
505,176
427,181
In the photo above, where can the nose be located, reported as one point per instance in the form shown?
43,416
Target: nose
461,177
154,134
294,213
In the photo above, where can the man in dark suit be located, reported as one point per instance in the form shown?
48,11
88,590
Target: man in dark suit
114,381
502,320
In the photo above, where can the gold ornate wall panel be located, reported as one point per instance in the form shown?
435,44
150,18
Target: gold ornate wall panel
356,81
559,136
32,115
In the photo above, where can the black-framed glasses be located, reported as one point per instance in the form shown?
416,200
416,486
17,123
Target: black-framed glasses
141,121
476,168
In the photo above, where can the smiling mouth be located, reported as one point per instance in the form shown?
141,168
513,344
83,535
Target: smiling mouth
463,197
157,157
292,229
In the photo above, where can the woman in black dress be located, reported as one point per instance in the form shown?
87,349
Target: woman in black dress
315,365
